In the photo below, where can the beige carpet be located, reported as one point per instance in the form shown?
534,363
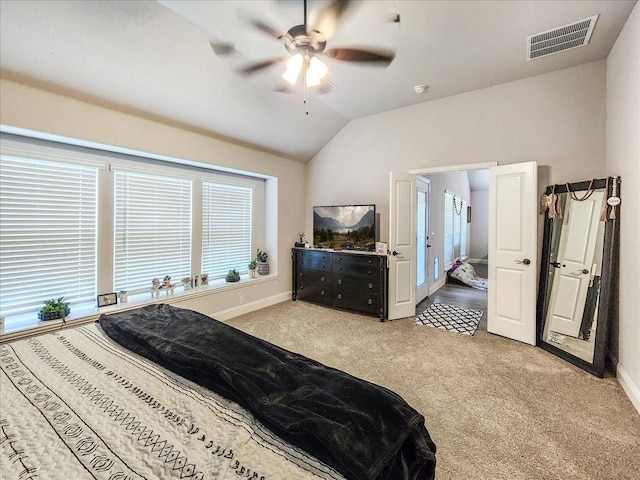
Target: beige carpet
496,408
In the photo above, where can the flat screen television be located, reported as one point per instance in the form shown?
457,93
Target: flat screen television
345,226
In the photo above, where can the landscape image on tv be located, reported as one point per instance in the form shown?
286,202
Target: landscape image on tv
345,226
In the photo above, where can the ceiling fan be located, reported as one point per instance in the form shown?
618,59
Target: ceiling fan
306,44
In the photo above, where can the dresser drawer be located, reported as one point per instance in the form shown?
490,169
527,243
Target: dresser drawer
357,266
314,277
315,260
369,284
359,301
317,293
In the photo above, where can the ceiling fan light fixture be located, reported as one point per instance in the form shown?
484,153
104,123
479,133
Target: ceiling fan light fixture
294,67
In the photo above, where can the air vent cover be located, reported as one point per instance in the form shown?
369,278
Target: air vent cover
559,39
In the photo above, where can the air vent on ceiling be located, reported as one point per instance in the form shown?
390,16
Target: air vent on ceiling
559,39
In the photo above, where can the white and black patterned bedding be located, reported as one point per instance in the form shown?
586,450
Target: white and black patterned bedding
75,405
117,400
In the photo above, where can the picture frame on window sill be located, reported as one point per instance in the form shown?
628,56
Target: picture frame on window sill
107,299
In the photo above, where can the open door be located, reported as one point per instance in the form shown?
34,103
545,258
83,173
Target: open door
402,244
513,251
575,268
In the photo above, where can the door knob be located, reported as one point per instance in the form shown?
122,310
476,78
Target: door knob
394,253
526,261
557,264
585,271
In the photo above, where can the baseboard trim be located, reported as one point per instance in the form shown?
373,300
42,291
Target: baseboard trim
434,288
632,391
483,261
224,315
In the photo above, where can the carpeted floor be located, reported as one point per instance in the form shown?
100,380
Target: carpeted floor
496,409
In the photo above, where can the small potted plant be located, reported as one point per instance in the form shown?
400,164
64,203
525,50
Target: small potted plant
232,276
253,264
261,257
54,309
186,282
123,296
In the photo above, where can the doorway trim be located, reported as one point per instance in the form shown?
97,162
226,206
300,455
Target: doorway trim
453,168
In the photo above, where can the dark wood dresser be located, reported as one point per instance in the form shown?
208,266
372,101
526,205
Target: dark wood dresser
347,280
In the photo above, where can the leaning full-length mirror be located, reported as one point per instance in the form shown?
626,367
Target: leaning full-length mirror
577,297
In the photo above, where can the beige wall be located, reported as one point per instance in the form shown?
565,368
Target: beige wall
29,108
623,158
557,119
580,123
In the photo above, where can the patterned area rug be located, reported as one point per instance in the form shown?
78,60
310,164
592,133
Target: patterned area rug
450,317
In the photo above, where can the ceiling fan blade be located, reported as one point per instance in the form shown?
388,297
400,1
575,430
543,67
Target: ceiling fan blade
268,29
222,49
257,66
327,23
357,55
283,88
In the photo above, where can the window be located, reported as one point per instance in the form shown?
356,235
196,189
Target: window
71,227
48,212
152,229
448,229
226,228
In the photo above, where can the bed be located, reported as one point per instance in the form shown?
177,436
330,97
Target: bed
163,392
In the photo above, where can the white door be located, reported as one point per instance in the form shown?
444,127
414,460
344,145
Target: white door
422,239
575,258
513,251
402,244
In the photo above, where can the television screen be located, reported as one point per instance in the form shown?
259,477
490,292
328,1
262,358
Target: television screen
345,226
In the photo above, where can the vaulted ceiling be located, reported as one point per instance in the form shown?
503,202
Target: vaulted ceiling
153,58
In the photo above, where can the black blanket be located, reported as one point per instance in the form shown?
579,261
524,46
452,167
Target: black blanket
362,430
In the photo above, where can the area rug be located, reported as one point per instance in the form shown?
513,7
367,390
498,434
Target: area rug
451,318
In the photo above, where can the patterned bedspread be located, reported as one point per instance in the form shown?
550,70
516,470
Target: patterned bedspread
75,405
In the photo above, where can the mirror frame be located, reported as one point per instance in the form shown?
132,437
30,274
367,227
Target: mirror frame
608,303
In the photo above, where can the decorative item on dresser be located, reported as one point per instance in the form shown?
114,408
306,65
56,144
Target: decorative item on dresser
348,280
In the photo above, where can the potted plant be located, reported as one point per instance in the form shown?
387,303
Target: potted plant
232,276
53,309
253,264
261,257
123,296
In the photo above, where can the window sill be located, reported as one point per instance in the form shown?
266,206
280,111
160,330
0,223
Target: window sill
24,325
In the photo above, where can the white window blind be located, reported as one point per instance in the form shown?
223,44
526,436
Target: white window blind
457,210
448,229
152,229
463,230
226,228
48,212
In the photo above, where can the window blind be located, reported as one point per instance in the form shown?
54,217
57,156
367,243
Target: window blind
48,214
463,230
448,229
457,210
226,228
152,229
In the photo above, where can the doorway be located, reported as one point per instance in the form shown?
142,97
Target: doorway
454,225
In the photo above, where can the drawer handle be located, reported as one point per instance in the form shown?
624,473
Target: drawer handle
339,268
339,296
369,301
370,272
339,281
371,285
322,279
322,293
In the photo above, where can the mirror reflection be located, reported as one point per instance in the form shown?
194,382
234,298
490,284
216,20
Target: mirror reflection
574,274
577,296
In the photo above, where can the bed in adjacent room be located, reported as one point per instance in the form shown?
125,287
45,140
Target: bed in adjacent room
163,392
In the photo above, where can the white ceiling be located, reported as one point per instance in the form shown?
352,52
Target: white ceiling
154,59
